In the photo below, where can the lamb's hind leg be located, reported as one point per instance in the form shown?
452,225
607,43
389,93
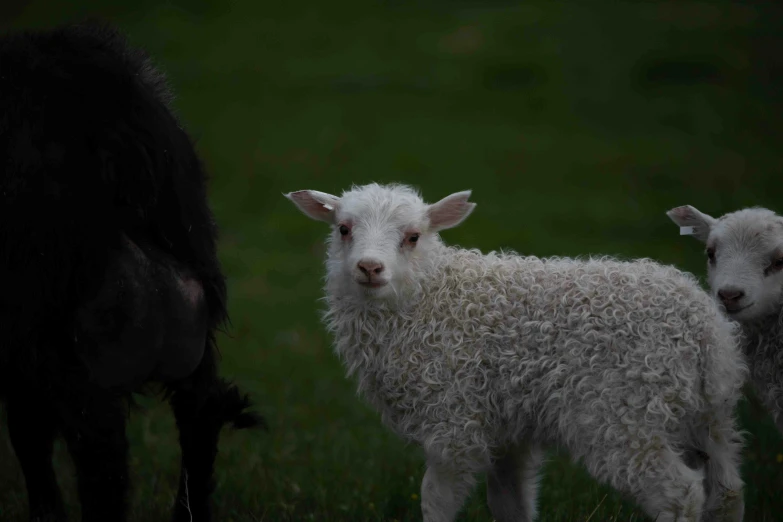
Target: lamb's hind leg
512,484
655,475
443,491
670,491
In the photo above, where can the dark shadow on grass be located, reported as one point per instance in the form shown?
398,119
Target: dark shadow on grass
513,76
670,71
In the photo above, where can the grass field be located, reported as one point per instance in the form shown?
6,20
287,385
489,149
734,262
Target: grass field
575,127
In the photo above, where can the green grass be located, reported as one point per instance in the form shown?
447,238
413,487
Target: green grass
576,128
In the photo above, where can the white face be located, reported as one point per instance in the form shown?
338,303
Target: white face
744,251
379,235
375,243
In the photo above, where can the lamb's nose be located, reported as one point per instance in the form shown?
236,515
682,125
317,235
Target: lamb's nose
728,295
370,267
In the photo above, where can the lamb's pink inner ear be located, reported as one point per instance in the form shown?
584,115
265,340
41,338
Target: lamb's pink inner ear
317,205
450,211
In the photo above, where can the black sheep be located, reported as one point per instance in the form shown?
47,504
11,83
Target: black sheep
109,277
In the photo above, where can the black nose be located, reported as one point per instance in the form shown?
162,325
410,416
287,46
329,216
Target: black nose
728,295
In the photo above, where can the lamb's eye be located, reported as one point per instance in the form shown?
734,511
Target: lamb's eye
413,238
344,230
711,254
778,263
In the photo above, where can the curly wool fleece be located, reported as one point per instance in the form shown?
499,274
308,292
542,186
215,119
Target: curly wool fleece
483,358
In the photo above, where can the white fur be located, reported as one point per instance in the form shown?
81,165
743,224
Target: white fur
746,244
482,359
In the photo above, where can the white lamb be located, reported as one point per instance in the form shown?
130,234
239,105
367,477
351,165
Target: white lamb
745,267
483,360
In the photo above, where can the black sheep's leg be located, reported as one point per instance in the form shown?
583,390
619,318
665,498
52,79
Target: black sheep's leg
32,427
202,403
198,438
94,429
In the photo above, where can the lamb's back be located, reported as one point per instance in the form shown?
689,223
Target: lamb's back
504,340
541,303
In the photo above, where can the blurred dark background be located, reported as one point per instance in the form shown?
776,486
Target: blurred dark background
576,123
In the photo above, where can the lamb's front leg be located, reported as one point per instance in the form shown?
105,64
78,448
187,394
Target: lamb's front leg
774,405
443,491
771,396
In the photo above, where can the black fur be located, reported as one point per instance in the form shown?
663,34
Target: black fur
109,277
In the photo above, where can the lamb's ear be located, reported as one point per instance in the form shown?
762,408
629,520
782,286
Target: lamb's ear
692,222
317,205
450,211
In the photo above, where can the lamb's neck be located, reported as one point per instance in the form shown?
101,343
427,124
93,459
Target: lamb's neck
360,333
763,335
